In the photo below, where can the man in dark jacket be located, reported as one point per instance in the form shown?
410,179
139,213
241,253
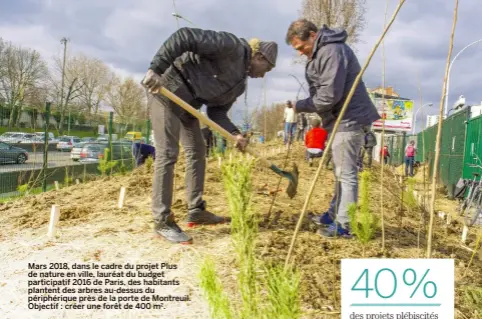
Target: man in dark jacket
141,151
302,126
330,72
370,143
201,67
208,139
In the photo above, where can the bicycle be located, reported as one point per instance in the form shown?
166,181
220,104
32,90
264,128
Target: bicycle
471,207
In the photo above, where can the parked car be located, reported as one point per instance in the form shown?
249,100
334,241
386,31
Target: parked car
75,152
105,137
92,152
13,137
12,154
33,140
87,139
133,136
27,138
77,148
67,142
50,135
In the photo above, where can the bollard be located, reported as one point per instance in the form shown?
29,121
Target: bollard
122,196
54,218
464,234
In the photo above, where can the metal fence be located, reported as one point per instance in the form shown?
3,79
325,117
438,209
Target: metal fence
473,148
461,145
396,145
33,164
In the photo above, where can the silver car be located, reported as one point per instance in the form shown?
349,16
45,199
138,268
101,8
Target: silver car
66,143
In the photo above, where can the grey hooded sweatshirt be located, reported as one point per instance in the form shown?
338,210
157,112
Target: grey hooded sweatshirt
330,73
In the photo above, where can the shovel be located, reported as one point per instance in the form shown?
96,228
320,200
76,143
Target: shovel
291,176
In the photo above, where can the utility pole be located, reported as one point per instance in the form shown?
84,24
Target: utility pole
64,42
175,14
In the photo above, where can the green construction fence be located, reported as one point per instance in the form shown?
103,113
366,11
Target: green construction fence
461,144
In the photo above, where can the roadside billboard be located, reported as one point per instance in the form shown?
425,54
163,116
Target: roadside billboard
397,114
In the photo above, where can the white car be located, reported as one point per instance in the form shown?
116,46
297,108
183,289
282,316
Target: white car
66,143
13,137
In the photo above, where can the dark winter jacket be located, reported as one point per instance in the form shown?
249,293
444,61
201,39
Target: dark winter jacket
141,152
330,73
213,65
370,140
302,122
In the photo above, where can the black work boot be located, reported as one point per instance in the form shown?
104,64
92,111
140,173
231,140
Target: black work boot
168,229
200,216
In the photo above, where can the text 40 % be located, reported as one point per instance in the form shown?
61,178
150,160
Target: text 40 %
409,279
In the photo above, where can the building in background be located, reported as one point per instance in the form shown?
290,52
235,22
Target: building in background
476,110
387,91
396,111
432,120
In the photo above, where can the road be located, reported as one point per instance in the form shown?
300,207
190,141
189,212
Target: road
35,160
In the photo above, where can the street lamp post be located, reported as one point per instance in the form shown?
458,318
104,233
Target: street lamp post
448,76
415,117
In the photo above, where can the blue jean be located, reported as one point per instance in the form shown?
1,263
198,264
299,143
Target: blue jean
409,161
290,130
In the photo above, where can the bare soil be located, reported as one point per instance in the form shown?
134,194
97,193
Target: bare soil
92,228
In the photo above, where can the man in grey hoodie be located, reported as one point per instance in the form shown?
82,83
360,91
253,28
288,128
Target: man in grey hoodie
330,72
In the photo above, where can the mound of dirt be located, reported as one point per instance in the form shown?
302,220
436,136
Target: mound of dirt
318,259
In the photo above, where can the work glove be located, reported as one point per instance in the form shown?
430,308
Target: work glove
152,81
241,142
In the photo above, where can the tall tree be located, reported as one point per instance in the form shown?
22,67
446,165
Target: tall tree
275,114
96,79
348,14
73,82
22,70
127,98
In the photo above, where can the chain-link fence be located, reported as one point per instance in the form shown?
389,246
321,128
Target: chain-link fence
42,157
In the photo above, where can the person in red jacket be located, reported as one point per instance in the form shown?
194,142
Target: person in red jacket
315,141
385,154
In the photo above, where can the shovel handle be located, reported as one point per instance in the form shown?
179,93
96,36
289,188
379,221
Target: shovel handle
206,121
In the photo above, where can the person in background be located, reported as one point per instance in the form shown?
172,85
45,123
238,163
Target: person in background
385,154
302,126
370,143
208,139
315,141
410,152
290,123
141,151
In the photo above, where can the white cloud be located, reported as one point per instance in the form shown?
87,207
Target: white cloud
125,34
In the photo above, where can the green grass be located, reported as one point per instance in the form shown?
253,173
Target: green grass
472,299
32,191
363,223
282,293
214,291
264,291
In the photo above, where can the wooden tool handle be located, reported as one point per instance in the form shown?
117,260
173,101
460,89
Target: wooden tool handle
206,121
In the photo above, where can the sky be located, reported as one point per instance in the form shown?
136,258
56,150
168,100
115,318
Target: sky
126,34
